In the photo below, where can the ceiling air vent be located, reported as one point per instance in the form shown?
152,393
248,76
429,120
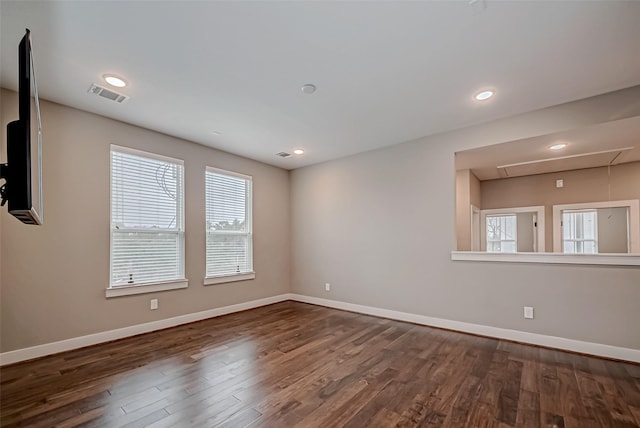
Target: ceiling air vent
284,154
107,93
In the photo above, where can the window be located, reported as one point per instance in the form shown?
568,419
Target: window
147,220
611,227
511,230
501,233
228,225
580,231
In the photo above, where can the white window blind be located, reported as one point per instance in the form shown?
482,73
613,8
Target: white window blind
147,218
501,233
580,231
228,223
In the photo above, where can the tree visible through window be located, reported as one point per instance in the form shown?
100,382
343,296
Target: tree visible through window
501,233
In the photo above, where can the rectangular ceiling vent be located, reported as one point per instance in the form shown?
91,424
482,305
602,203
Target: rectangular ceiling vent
284,154
107,93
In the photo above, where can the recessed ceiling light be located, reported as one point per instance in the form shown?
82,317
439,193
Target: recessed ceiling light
216,133
558,146
308,88
114,81
484,95
298,151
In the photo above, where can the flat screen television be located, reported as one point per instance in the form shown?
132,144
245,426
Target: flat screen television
23,171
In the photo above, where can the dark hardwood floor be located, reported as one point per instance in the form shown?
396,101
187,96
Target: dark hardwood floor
293,364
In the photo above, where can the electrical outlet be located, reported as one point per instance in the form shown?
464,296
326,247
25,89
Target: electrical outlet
559,183
528,312
154,304
327,286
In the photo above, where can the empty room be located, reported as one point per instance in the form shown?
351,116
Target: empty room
320,214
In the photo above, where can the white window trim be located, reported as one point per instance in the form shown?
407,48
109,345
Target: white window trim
539,210
549,258
242,276
634,220
476,233
149,287
210,280
229,173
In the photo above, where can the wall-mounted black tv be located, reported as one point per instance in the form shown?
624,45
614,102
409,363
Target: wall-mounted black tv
23,171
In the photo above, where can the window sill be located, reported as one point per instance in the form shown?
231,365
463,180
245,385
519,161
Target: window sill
554,258
127,290
210,280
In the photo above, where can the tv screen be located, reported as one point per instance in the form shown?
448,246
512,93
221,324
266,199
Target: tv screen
23,172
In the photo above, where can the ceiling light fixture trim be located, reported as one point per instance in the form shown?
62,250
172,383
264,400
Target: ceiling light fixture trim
114,80
308,88
484,95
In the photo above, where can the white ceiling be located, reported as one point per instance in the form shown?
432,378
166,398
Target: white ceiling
386,72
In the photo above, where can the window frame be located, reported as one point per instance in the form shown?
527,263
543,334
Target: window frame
152,286
634,222
241,276
539,238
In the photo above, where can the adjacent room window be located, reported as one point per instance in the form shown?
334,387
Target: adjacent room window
611,227
580,231
147,219
511,230
228,226
501,233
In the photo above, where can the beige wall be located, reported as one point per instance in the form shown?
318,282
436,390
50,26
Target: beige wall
525,232
463,210
54,276
613,230
468,193
584,185
379,226
475,190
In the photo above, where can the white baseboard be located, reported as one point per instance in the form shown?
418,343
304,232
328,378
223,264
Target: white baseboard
107,336
596,349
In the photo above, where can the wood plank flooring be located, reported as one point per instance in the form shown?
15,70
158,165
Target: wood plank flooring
298,365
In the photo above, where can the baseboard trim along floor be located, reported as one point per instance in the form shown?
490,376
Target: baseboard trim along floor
120,333
590,348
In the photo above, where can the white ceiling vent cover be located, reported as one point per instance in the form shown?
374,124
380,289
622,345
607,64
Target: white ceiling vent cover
107,93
